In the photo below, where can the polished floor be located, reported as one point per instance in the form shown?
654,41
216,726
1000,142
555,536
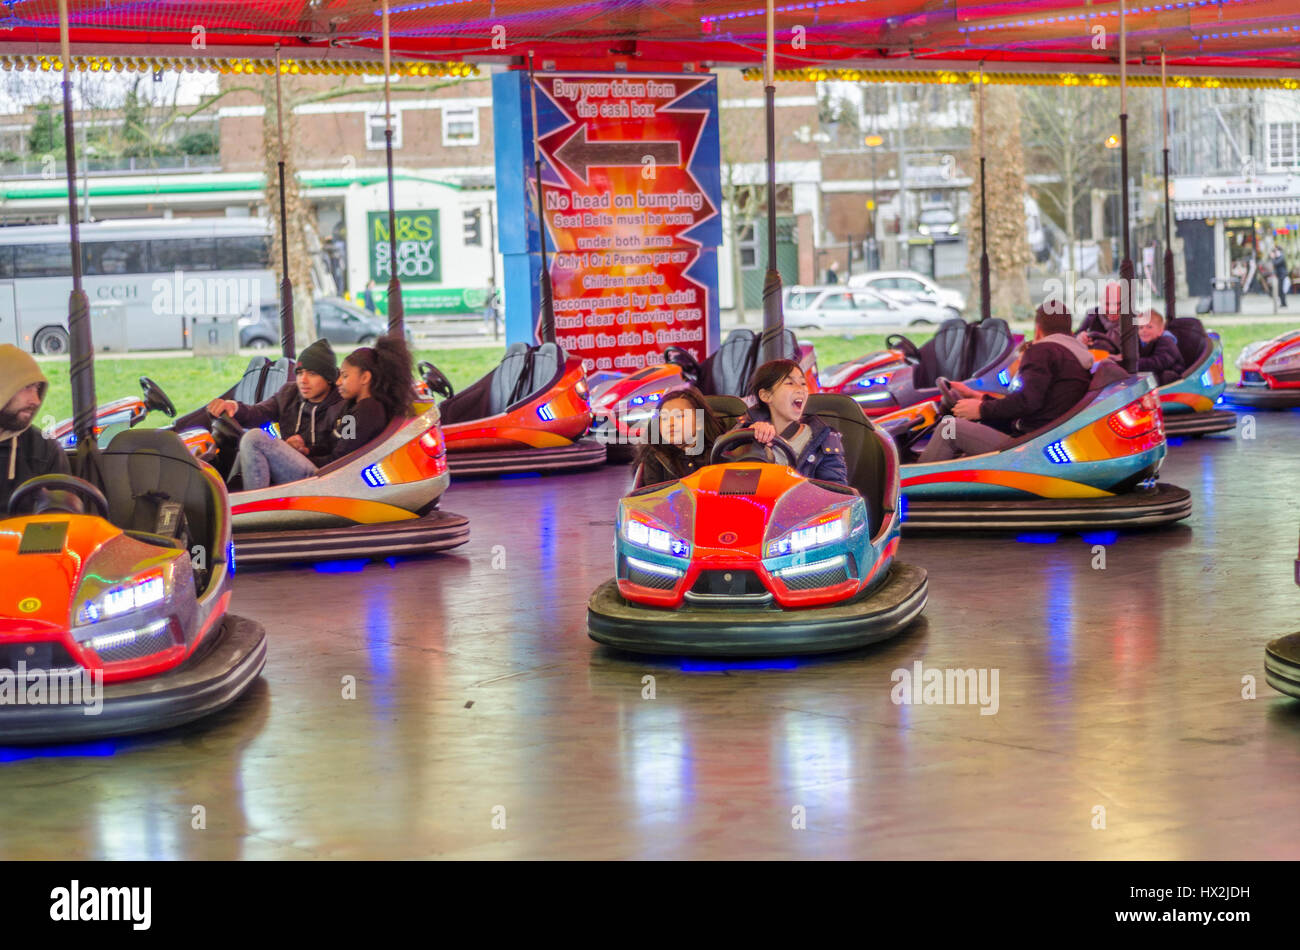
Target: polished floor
486,724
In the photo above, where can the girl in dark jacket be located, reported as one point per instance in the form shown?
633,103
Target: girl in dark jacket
780,393
686,429
375,383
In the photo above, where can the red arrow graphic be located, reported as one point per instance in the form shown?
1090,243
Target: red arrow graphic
578,154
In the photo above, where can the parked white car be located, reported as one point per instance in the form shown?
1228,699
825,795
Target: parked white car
842,307
906,285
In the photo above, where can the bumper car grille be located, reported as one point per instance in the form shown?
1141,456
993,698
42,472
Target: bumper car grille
823,578
650,578
36,656
729,588
146,644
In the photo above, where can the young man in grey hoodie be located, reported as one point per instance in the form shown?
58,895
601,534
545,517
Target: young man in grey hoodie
24,452
1055,373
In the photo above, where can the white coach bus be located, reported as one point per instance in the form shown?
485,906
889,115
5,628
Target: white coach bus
164,272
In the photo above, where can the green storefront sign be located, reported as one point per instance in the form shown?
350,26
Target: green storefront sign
419,255
435,301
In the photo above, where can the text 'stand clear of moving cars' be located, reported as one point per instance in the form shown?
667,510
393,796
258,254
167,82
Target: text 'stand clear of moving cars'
1094,468
751,558
530,414
847,309
904,374
623,403
378,501
909,286
1270,374
123,595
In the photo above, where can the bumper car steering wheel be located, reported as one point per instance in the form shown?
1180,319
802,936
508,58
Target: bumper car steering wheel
690,365
31,491
947,397
435,380
227,429
911,353
756,451
155,398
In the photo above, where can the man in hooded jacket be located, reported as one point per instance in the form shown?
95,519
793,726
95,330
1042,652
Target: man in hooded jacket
1055,373
24,452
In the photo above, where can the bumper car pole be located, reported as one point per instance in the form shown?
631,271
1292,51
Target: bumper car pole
546,323
986,294
1170,301
396,314
82,348
773,319
1127,335
287,344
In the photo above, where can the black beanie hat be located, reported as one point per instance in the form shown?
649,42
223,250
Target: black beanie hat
320,359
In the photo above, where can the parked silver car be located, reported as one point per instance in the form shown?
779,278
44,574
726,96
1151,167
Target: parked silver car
909,285
839,307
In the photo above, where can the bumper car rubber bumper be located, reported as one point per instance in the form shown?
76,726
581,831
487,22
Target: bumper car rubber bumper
1141,508
1282,664
585,453
207,682
435,531
1199,423
693,631
1259,397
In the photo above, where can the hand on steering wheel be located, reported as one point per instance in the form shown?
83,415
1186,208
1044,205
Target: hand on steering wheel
741,437
155,398
227,429
29,490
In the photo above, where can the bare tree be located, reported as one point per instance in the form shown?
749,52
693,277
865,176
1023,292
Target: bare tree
1008,247
1068,126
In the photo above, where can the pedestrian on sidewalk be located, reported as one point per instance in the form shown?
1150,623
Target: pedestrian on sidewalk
1278,260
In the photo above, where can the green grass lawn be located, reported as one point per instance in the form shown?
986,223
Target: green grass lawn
191,381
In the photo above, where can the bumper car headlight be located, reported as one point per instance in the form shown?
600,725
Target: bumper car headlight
642,532
117,600
821,531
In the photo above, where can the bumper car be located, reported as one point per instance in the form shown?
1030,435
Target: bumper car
1282,658
1270,374
980,354
124,593
381,500
749,558
1094,468
1187,400
530,414
622,404
127,413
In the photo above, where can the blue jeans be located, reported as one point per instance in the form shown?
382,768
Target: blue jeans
266,461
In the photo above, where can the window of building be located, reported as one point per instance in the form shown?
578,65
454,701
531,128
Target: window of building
748,242
375,129
460,126
1283,146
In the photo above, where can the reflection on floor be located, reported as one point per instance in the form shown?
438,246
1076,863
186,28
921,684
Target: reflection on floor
486,724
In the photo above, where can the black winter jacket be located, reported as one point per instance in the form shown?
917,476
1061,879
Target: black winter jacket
28,455
314,421
1052,383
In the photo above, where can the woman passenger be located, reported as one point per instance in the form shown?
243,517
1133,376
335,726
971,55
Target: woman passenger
686,430
780,393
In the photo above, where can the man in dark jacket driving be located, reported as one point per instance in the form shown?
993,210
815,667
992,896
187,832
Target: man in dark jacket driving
24,451
1055,372
304,410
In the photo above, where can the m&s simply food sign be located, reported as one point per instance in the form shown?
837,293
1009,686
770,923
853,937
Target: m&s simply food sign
418,253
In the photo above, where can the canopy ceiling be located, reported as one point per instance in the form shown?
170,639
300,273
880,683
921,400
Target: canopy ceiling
1227,37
